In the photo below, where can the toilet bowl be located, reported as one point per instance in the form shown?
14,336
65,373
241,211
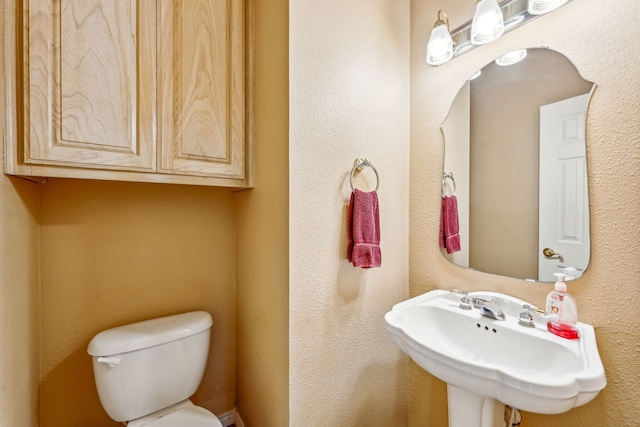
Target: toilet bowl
145,372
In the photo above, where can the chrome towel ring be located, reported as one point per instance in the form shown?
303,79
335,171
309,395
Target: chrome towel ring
444,181
360,164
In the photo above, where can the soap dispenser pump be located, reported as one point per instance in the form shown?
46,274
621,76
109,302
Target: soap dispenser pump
570,273
562,311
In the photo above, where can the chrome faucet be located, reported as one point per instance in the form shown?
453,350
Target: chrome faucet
488,309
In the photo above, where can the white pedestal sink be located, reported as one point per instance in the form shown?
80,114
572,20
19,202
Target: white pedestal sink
488,363
471,410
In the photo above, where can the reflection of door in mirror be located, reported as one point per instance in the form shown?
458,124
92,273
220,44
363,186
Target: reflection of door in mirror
564,199
492,148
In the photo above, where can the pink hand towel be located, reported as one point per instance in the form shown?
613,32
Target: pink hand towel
363,227
449,224
442,239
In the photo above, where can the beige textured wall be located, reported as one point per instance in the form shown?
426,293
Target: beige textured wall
115,253
263,234
456,133
19,292
349,98
19,323
590,35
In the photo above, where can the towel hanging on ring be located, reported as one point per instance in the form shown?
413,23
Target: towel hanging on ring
363,223
449,226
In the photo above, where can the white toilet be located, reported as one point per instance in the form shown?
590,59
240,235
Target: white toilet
146,372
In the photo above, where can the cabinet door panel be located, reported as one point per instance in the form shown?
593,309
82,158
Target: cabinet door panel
202,79
92,83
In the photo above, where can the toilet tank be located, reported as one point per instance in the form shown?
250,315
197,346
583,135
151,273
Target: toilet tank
147,366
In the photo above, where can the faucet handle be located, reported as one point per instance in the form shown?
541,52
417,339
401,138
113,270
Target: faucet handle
540,311
465,301
526,319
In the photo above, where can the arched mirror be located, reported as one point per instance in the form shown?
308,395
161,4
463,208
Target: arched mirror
515,148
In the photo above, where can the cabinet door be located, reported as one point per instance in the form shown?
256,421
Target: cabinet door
201,72
91,83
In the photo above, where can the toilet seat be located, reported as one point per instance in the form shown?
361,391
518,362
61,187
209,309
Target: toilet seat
193,416
181,414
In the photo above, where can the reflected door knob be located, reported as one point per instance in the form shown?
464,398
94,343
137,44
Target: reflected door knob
551,254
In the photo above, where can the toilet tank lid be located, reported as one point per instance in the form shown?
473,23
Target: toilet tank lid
149,333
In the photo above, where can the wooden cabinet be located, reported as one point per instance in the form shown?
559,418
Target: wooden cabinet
140,90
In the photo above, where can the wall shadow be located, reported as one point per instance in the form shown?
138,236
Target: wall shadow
68,395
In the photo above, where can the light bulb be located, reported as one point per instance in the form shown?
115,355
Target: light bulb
540,7
440,45
475,75
511,58
488,22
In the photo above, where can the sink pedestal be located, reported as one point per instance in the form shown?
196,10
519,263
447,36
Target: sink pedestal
467,409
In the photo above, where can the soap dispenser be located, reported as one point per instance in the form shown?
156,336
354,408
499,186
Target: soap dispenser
570,272
562,311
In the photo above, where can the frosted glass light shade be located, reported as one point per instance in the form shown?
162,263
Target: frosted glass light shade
440,46
488,22
511,58
540,7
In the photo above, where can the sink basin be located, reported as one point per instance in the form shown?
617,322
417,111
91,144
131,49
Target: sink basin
526,368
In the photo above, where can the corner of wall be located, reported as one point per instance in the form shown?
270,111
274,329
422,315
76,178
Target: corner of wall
19,265
262,236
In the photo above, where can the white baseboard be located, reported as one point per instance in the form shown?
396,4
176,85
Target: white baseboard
239,422
230,418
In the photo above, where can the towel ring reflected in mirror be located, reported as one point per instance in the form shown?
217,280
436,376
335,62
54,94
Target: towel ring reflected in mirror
444,183
360,164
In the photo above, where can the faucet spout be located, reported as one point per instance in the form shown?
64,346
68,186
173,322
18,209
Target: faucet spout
493,312
489,309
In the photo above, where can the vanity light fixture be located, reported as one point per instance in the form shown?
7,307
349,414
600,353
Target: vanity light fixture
488,22
512,57
540,7
440,46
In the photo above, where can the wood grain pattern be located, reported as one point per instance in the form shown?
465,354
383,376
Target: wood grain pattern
91,88
98,72
108,90
201,72
202,116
